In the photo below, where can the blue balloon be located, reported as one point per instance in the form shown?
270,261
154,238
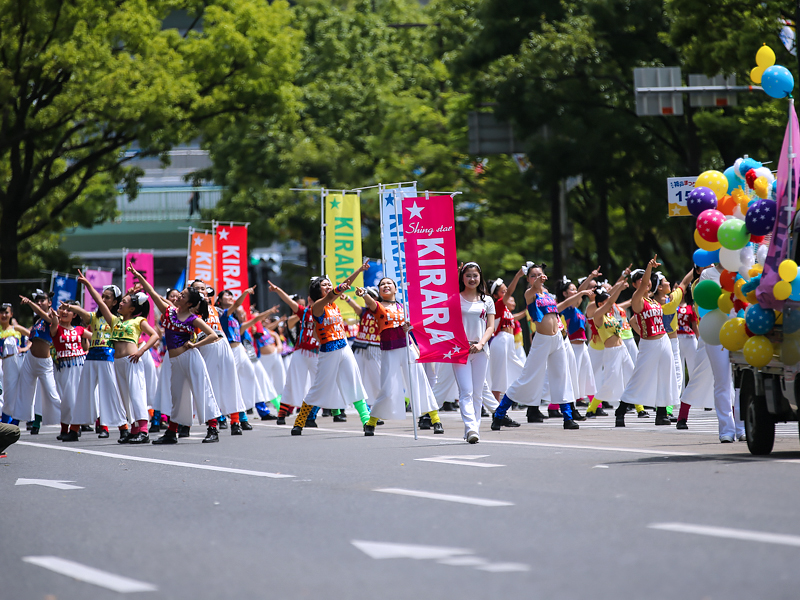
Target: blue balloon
795,295
734,181
747,164
759,320
740,314
701,312
773,191
777,81
705,258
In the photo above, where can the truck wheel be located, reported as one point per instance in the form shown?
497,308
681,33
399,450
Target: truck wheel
758,425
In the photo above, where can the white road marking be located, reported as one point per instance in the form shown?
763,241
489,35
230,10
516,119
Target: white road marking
463,561
600,467
51,483
504,568
460,460
382,550
159,461
734,534
445,497
116,583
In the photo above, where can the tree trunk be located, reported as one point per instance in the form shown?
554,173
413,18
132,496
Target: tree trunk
9,257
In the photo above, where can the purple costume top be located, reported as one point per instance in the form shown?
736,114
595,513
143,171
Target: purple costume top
176,332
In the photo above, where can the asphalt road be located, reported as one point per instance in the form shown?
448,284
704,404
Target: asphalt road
599,513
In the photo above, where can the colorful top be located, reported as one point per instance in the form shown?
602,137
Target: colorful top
101,330
542,305
576,323
177,332
230,326
306,340
128,331
610,327
68,343
670,309
595,341
11,340
517,334
213,320
627,331
390,321
41,331
368,330
503,317
650,320
330,329
686,320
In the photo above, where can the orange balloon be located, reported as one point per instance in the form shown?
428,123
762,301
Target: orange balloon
726,205
727,279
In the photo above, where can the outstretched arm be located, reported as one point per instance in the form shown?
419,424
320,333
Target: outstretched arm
601,310
101,306
35,308
637,301
259,317
357,308
589,279
513,286
85,315
157,300
368,300
572,300
240,300
293,306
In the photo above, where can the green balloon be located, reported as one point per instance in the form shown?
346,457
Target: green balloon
706,294
733,234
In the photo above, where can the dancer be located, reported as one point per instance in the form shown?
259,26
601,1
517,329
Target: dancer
505,364
38,368
67,333
336,365
547,358
188,368
162,401
99,398
670,301
398,378
13,354
367,347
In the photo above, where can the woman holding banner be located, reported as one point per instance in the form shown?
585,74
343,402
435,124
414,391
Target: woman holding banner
395,370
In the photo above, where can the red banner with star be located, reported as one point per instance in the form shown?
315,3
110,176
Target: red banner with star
434,302
232,261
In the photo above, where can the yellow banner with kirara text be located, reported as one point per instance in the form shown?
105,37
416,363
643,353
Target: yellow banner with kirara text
343,244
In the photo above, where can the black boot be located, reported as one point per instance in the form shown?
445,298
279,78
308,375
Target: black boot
534,415
169,437
424,422
211,436
576,415
620,414
662,418
554,413
183,431
340,418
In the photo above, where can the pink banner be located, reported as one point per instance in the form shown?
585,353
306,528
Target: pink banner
434,302
98,279
232,261
142,262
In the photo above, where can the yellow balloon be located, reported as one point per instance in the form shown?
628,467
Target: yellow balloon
751,297
782,290
788,270
705,245
761,187
755,270
758,351
765,57
714,180
733,336
755,75
737,290
724,302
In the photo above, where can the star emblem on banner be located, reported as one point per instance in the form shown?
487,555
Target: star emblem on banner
676,211
415,211
60,281
389,199
449,355
198,241
335,203
223,234
456,349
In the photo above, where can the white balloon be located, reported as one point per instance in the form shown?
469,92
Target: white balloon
761,254
730,259
745,273
736,166
748,256
766,173
737,213
710,325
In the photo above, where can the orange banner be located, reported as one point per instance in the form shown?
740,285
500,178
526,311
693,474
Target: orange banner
201,259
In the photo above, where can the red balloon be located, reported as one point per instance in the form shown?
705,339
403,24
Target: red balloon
727,279
740,305
757,239
748,332
750,177
708,223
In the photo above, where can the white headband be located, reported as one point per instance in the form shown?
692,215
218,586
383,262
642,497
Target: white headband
113,288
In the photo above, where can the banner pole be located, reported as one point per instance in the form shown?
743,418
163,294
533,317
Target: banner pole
188,254
214,257
322,233
380,209
401,255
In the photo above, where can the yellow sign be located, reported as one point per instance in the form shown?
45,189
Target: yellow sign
343,244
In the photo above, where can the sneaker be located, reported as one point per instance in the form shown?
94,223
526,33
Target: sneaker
278,421
509,422
169,437
554,414
311,422
70,436
742,437
496,425
183,431
123,436
269,417
534,415
369,430
380,422
297,430
473,437
681,424
424,422
340,418
600,412
620,422
643,414
211,436
438,428
103,434
570,424
246,426
140,438
726,439
236,429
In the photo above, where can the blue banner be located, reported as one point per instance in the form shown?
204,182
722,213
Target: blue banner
65,287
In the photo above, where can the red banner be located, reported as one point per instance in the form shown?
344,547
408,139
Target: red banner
434,302
201,259
142,262
232,261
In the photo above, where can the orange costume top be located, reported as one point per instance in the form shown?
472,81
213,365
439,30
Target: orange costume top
390,323
330,329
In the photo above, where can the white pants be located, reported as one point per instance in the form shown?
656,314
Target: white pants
191,386
67,383
724,395
221,368
369,365
653,381
678,364
633,349
505,364
587,386
471,378
132,390
699,392
247,377
150,377
266,391
299,376
596,358
445,389
273,365
37,371
616,372
395,386
688,346
547,357
98,396
163,398
12,366
336,370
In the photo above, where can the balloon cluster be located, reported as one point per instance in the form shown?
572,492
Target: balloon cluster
776,80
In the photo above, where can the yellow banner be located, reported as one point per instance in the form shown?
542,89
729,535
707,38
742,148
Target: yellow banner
343,244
